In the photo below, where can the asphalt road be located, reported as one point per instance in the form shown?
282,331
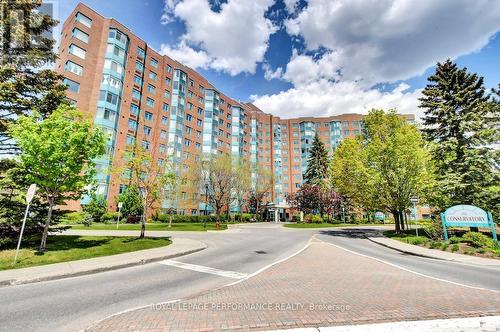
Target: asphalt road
75,303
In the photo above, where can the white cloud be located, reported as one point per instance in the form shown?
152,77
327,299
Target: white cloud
291,5
235,38
324,98
269,74
390,40
186,55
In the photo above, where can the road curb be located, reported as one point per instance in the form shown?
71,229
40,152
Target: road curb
464,260
13,282
407,251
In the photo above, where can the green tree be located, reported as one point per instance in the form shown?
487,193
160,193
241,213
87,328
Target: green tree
351,175
96,207
388,166
132,202
317,163
57,153
151,178
462,124
24,85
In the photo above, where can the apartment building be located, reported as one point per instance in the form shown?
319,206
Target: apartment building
137,95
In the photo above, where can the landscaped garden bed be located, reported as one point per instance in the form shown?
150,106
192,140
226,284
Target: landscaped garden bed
461,241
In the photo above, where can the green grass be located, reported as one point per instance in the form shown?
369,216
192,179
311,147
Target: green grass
152,227
325,225
409,236
64,248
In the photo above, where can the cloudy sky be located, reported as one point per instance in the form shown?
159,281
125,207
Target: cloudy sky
317,57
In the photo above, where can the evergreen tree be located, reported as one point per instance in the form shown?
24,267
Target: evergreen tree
317,163
24,49
461,123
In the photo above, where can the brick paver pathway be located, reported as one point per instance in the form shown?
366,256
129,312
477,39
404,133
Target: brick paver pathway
322,286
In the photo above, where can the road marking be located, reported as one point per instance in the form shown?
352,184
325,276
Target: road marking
204,269
408,270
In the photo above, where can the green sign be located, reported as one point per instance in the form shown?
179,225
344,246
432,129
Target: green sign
379,216
467,216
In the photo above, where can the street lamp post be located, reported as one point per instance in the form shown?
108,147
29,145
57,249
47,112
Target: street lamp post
206,206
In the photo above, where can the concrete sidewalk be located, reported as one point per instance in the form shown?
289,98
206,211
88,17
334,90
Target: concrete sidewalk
179,247
379,238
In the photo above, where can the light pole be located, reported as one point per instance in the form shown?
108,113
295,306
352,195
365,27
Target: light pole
29,197
206,206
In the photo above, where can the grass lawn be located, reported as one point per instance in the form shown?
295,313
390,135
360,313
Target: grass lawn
64,248
456,244
151,227
325,225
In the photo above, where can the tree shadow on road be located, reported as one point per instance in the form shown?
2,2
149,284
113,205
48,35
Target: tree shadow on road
358,233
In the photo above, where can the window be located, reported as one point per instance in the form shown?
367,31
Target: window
163,134
114,66
77,51
147,130
169,69
117,35
188,130
187,142
150,102
140,52
136,94
151,89
134,109
189,117
80,35
148,116
116,51
167,94
83,20
109,97
154,63
132,124
130,140
73,68
199,122
198,133
139,66
164,120
145,145
165,107
153,75
72,85
138,80
162,148
168,81
200,111
106,114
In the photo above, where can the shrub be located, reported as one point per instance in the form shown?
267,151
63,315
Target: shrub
434,229
417,240
110,217
296,218
455,239
96,207
444,246
87,220
435,244
133,219
477,240
455,247
315,219
73,218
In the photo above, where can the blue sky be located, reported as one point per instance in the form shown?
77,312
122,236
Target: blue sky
317,57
